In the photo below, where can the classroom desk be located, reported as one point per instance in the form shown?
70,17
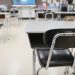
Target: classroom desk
55,13
63,14
43,26
35,30
45,10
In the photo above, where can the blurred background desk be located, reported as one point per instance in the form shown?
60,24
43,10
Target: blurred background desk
61,15
5,20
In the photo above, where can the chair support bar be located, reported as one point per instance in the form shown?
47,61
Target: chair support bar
53,44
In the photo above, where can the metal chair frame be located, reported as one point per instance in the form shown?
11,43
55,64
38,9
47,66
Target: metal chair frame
50,54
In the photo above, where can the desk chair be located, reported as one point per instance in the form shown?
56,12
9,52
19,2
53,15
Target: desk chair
49,15
40,14
58,54
14,14
70,1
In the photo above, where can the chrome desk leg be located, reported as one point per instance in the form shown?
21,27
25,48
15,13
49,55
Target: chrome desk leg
7,28
4,30
74,65
36,15
45,16
34,62
39,70
59,17
66,70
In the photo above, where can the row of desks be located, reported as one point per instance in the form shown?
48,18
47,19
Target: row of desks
60,14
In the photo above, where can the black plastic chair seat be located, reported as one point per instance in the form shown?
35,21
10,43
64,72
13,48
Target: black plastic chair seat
60,57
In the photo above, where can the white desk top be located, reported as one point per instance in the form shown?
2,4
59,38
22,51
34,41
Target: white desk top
42,26
4,12
64,12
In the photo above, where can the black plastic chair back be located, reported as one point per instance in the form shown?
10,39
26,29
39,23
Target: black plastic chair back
70,1
61,42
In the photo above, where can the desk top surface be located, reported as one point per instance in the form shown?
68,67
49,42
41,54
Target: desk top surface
57,12
4,12
64,12
43,26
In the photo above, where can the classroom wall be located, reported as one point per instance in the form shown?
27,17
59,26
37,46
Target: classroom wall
53,1
9,2
6,2
50,1
38,2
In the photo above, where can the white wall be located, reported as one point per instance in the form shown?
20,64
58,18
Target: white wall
26,12
6,2
50,1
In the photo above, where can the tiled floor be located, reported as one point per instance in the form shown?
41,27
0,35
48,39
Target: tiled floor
16,53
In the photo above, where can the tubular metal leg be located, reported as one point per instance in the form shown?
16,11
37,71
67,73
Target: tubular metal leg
38,70
7,28
59,17
74,65
66,71
4,30
34,62
37,16
49,14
